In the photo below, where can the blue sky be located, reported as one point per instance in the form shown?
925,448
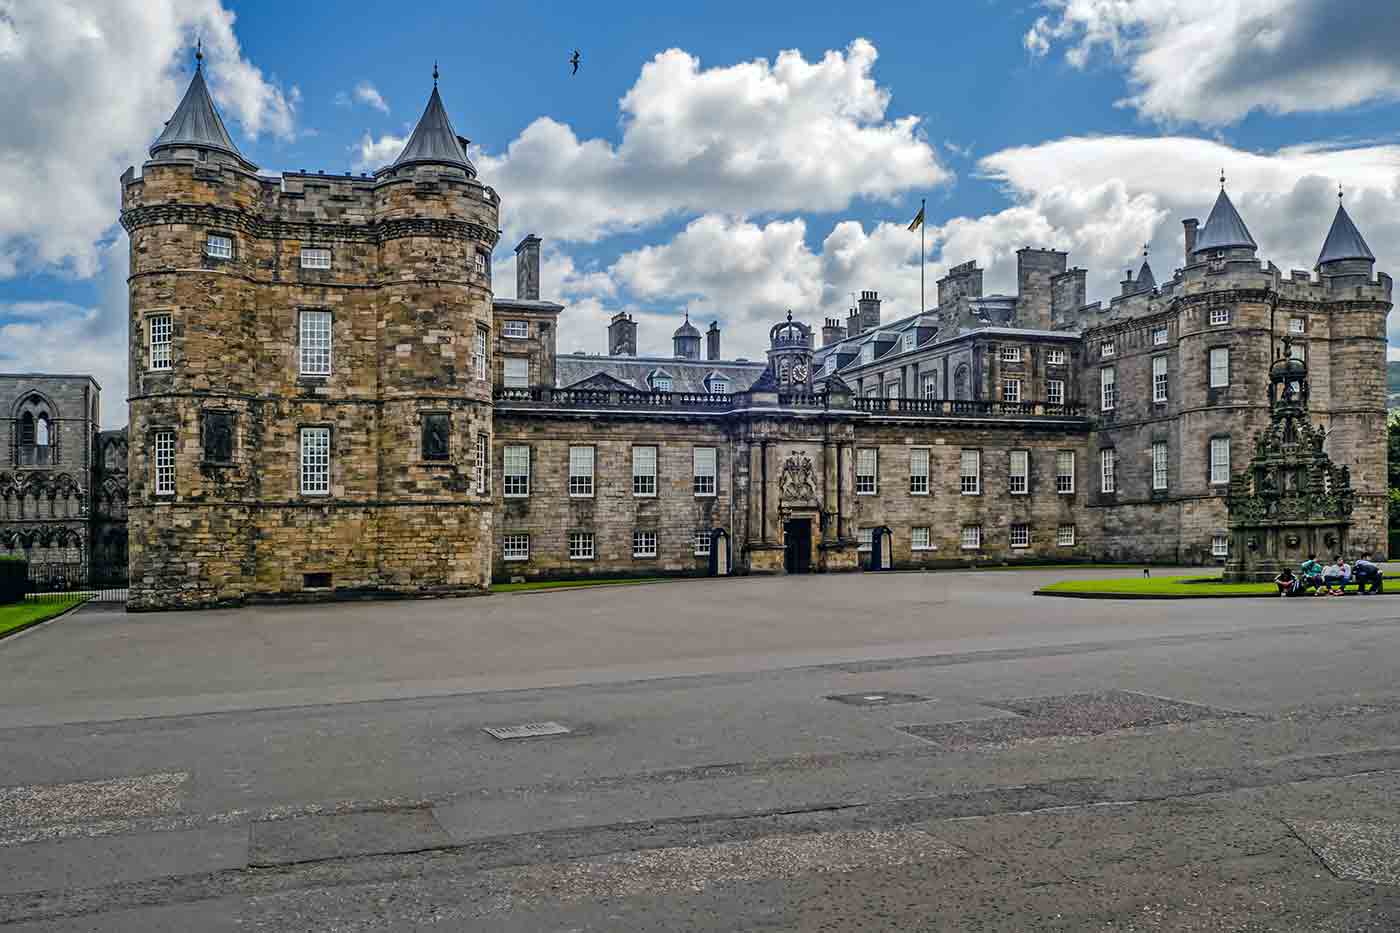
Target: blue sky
732,160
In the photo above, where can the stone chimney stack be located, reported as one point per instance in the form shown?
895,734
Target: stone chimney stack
832,331
869,306
527,269
622,335
1190,225
712,341
853,323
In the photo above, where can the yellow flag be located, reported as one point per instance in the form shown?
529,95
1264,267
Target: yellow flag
918,220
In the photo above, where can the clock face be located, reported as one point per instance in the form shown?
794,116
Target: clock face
799,372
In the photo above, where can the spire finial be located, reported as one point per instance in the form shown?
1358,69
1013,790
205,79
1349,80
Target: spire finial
789,315
1145,248
1222,179
198,54
435,73
1339,192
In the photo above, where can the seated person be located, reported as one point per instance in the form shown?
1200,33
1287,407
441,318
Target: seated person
1287,583
1333,579
1367,571
1311,574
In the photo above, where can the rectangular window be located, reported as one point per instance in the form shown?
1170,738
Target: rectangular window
1020,472
159,325
910,340
719,386
1159,378
315,343
829,366
1299,351
1159,336
643,544
1011,390
919,539
1159,465
1064,471
1220,546
1219,316
483,464
581,472
165,463
1108,465
481,263
867,353
865,538
971,537
661,383
1297,325
1055,357
515,547
580,545
867,464
1020,535
516,330
315,461
644,471
1107,349
516,461
1064,536
970,467
437,436
702,542
1219,460
315,258
1011,354
479,359
1055,391
1219,367
218,247
918,471
930,385
705,472
1108,388
517,372
891,390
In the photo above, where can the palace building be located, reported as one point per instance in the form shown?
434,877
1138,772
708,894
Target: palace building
329,399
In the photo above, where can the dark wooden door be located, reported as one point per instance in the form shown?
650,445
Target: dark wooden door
797,540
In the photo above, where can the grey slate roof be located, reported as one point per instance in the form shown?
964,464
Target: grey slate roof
1344,241
1145,279
434,140
196,124
686,375
686,329
1224,228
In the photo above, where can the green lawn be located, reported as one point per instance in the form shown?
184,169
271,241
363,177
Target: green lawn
1160,586
17,616
564,584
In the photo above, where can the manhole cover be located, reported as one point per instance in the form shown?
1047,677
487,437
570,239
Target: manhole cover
877,699
527,730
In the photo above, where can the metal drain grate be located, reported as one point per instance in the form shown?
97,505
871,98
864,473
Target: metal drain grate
528,730
877,699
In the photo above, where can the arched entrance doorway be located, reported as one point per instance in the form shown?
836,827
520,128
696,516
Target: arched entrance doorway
882,549
719,553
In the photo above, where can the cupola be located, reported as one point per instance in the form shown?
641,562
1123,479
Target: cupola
196,131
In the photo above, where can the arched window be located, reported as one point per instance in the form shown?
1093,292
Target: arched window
960,382
26,430
41,431
784,369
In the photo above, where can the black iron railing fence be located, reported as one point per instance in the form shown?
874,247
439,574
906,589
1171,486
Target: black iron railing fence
57,582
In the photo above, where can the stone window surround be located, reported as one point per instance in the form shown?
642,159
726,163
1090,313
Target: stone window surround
1010,388
1210,368
1020,535
1064,489
699,488
1160,380
1219,316
482,466
582,545
1056,356
509,331
867,483
511,550
927,537
971,538
919,480
507,476
1210,462
581,483
1108,470
646,543
1055,391
1108,388
1024,476
169,344
232,245
1220,546
155,434
970,484
302,374
506,376
423,460
330,459
316,252
1064,536
1161,336
481,353
1160,477
701,543
641,489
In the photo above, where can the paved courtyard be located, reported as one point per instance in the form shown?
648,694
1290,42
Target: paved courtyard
901,752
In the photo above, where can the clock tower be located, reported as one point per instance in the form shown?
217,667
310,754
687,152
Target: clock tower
790,355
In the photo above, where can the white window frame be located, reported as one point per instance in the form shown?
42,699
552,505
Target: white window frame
892,390
1064,480
511,377
700,542
516,485
1055,357
516,330
921,538
316,336
1220,546
1011,390
1160,379
661,384
1018,476
1159,465
161,328
1020,535
971,537
163,462
483,464
644,461
865,539
704,472
1219,374
1108,388
919,460
1219,316
1064,536
315,257
644,543
315,461
867,353
582,460
911,340
480,359
1055,391
867,471
1107,349
515,546
970,480
930,385
582,545
1011,354
1108,470
1160,336
218,246
1219,461
719,386
1297,325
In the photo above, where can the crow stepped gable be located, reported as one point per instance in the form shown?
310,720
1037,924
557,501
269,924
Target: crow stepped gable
327,399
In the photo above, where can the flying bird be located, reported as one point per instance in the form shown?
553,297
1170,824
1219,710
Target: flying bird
574,61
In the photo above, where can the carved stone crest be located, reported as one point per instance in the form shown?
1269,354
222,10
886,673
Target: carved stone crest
798,481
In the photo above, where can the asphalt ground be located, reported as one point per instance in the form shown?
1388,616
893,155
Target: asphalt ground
901,752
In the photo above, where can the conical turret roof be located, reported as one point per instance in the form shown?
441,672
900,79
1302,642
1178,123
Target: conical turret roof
1145,278
1224,228
1344,241
434,141
686,329
197,124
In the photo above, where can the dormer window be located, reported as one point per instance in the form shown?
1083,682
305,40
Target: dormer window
829,366
716,384
217,246
911,340
867,353
660,381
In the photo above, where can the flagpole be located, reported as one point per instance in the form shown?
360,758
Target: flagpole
923,302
